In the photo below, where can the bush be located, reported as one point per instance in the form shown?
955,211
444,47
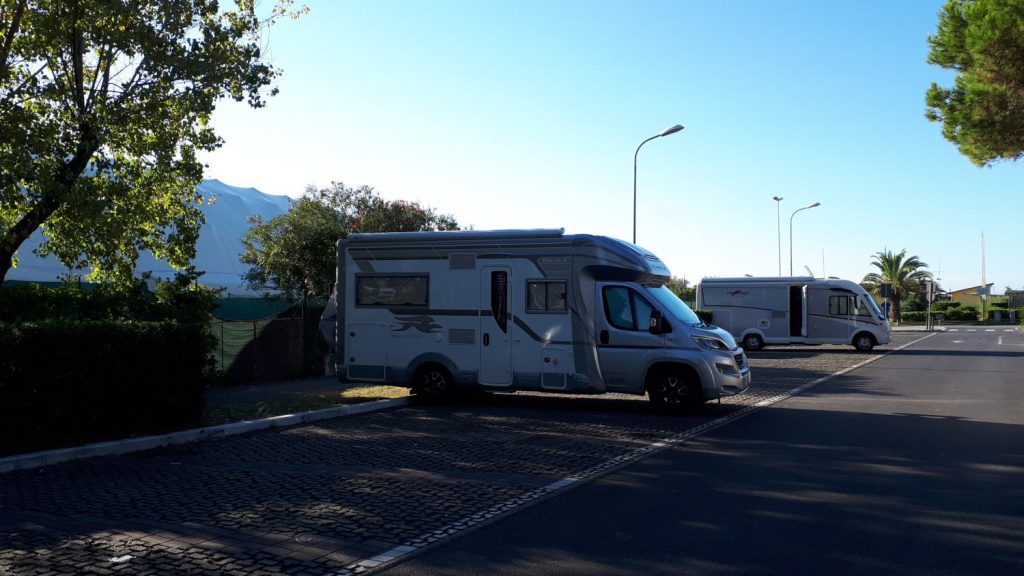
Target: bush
181,298
1004,314
34,302
943,305
67,383
962,314
913,316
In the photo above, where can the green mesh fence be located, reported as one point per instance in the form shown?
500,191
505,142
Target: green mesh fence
287,346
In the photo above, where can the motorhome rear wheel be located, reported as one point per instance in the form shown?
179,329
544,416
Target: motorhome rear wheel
433,383
752,342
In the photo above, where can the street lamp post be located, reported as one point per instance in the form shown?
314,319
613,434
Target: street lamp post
665,132
778,228
808,207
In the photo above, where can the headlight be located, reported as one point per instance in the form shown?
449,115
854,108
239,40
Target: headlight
709,343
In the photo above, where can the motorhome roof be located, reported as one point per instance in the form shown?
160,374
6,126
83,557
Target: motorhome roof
638,258
764,279
460,234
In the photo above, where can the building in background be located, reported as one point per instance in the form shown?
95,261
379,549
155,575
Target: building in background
970,296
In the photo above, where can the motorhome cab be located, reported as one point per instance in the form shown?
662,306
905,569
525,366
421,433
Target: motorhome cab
524,310
798,310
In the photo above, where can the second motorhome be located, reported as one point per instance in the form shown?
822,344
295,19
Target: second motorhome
794,310
524,310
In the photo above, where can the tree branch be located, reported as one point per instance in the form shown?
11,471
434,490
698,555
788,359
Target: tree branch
12,31
77,65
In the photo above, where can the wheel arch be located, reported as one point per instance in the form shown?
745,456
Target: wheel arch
419,363
749,331
862,332
661,366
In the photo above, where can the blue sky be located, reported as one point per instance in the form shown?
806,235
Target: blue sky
526,114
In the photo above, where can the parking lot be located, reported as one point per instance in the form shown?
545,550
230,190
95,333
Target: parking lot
341,496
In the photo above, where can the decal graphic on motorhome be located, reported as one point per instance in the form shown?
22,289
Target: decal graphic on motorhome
738,293
424,324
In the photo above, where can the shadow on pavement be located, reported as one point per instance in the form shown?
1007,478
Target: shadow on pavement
784,492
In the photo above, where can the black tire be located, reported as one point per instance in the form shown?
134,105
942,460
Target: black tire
432,383
864,342
753,342
675,391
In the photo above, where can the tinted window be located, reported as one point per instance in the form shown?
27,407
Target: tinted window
839,305
385,290
499,299
545,296
626,309
617,307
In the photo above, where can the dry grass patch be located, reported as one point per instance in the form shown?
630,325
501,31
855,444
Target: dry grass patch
296,402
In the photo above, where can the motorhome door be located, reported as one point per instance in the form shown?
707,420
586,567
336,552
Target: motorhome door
495,326
798,311
625,344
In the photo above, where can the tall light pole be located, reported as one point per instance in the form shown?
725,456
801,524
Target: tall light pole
778,228
665,132
808,207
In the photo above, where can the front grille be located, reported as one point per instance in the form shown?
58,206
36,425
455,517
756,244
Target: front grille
739,361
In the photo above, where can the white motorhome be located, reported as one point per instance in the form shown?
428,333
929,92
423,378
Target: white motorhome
524,310
794,310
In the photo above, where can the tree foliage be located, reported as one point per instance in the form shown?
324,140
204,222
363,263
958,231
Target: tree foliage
906,275
295,253
983,112
103,107
682,288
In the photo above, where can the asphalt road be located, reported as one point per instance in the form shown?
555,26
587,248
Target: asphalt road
913,464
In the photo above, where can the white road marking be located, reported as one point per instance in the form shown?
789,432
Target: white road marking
954,329
990,330
534,496
958,341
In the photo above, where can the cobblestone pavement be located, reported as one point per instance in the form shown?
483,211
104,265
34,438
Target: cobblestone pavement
315,499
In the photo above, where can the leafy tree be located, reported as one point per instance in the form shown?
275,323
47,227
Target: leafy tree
983,112
295,253
905,274
103,106
683,289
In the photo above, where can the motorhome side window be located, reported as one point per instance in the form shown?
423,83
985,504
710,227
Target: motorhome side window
545,296
625,309
392,290
839,305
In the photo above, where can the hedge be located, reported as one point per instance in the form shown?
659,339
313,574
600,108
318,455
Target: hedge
1004,313
64,383
913,316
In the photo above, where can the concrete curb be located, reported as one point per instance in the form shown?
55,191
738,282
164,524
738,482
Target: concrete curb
118,447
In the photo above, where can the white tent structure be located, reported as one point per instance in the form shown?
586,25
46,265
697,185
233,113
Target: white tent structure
217,250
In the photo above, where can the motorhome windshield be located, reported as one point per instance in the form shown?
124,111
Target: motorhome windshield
673,305
874,307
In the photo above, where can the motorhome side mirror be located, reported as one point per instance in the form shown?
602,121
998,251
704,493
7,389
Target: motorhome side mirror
657,322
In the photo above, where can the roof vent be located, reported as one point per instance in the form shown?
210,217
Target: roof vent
462,261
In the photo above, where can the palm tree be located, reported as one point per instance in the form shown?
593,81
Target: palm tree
905,274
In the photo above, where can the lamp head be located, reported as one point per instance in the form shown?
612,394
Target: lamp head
815,205
670,130
777,198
